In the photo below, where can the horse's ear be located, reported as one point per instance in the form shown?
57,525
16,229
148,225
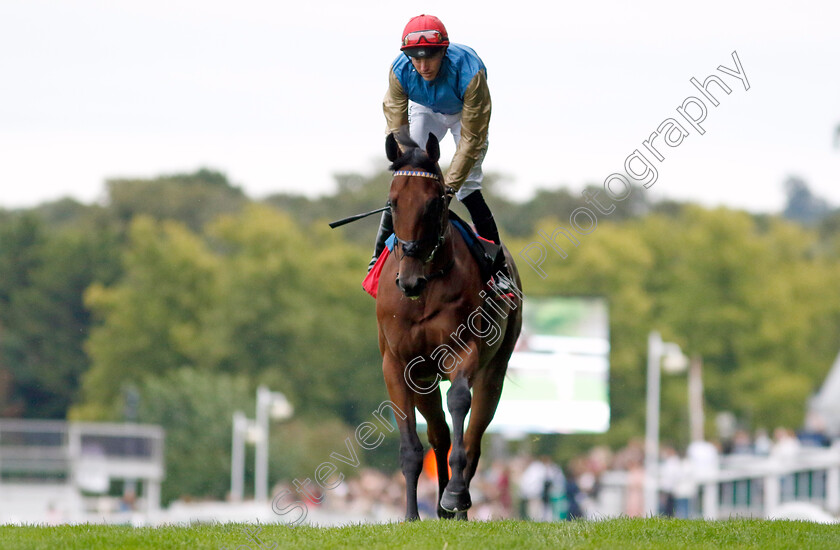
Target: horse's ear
392,148
433,148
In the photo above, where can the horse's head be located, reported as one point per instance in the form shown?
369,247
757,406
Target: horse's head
419,207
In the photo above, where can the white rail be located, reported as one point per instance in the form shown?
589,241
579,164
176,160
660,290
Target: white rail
747,486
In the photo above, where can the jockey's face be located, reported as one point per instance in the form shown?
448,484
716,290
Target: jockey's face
428,67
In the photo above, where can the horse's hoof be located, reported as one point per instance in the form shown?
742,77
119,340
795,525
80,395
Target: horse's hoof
455,502
444,514
462,516
412,518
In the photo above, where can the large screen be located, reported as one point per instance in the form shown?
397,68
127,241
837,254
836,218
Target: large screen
558,376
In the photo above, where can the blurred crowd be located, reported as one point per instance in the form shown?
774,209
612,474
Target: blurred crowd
539,489
681,472
525,487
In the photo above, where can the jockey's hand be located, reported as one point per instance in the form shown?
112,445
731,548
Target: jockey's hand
449,191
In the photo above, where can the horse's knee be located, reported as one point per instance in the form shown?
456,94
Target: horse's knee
472,445
411,458
458,398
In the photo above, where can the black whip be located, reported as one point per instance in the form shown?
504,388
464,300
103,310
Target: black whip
343,221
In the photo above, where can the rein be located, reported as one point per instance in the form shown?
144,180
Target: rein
441,272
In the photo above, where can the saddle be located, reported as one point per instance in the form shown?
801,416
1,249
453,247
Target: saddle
489,255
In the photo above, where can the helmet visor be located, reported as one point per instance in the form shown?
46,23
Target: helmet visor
421,53
418,38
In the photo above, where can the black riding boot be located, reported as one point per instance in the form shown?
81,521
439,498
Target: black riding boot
386,227
485,225
481,216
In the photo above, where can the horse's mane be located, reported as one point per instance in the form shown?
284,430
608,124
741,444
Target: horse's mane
415,157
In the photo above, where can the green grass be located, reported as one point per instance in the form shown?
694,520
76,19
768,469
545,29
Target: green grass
611,534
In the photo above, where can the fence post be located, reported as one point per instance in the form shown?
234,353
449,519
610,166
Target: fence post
710,499
832,482
152,489
772,492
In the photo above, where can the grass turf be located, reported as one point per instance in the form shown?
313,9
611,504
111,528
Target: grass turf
611,534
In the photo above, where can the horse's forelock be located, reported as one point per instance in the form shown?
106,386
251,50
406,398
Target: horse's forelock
415,158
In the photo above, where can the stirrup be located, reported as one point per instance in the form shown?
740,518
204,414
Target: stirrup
499,284
500,288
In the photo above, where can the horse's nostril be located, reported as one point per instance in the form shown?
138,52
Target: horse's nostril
414,290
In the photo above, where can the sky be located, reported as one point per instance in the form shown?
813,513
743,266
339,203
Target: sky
283,96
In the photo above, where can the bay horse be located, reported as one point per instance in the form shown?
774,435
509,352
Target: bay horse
437,322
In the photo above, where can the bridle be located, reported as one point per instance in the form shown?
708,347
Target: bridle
411,249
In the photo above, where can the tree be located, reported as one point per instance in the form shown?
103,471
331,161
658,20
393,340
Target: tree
148,316
294,311
195,409
755,300
43,321
192,199
802,205
256,296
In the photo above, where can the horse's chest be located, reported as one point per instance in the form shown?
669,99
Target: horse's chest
421,332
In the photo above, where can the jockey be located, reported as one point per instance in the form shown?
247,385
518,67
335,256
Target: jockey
435,86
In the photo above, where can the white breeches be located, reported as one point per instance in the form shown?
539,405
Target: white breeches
422,120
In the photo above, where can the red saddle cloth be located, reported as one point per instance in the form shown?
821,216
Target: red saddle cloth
371,282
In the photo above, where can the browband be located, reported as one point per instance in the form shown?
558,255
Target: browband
417,173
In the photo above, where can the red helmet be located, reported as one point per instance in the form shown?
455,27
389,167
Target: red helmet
422,35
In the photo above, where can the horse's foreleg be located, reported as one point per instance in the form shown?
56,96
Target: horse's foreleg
486,393
430,407
411,449
411,463
456,496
